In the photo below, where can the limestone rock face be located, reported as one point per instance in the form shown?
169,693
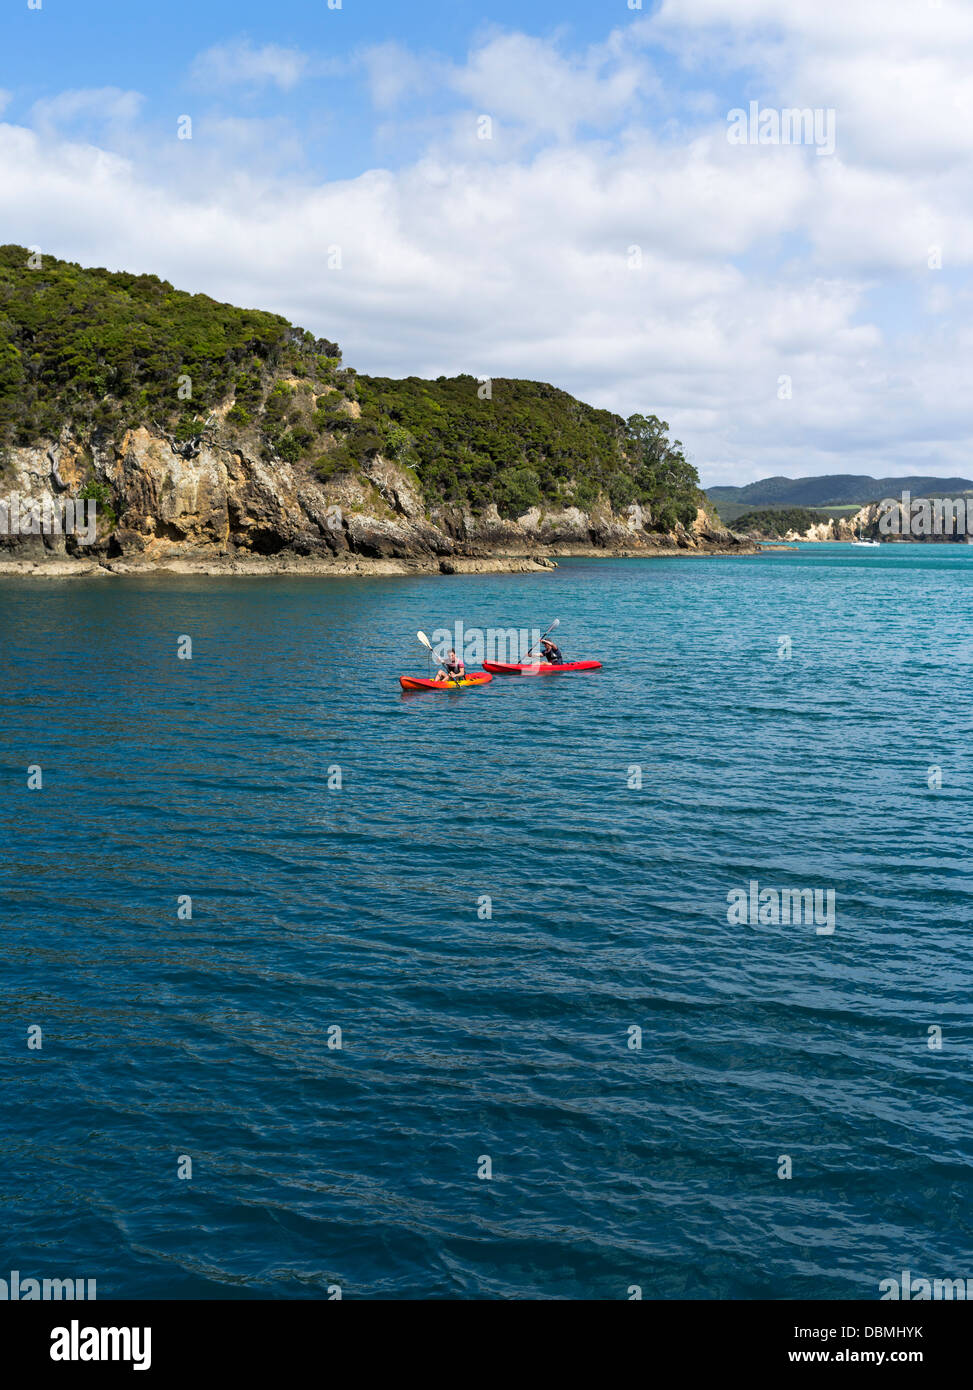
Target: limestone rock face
843,528
159,500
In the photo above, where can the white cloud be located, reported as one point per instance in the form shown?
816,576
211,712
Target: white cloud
896,71
395,73
239,63
90,107
897,25
531,82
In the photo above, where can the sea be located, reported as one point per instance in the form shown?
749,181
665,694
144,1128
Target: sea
648,982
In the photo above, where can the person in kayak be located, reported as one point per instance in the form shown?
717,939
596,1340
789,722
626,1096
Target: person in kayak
551,653
452,668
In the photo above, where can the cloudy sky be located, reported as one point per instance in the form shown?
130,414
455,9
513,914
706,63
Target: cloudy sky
542,189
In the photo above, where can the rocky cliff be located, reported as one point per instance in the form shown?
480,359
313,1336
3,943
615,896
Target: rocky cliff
885,521
211,503
845,528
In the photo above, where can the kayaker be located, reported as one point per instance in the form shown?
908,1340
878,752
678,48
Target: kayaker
551,653
452,669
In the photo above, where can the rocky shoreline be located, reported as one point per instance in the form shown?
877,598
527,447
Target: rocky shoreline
361,566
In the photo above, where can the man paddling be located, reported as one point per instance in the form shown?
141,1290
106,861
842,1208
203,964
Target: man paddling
551,653
452,669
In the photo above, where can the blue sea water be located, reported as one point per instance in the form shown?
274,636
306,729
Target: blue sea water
506,1037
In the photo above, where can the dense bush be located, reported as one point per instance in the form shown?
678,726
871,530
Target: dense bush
771,522
530,444
107,350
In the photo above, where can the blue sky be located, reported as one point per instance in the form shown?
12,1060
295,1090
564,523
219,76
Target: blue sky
606,236
152,49
153,41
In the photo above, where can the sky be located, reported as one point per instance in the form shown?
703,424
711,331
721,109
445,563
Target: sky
547,190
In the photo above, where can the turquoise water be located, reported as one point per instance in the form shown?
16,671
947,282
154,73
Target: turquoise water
506,1036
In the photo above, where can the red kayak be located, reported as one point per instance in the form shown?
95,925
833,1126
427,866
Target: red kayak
471,678
538,668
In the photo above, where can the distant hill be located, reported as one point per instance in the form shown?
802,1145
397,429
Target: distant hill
834,490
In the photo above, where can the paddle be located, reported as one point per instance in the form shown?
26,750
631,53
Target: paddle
556,623
426,643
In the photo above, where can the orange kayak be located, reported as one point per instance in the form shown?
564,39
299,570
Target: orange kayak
417,683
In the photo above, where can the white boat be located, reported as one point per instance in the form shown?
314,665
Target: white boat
861,539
